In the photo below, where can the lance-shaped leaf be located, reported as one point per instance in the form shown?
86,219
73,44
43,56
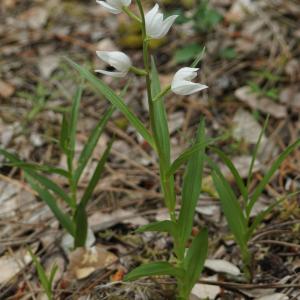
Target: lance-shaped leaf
191,188
194,260
231,208
91,143
160,226
104,90
81,223
155,269
266,179
64,220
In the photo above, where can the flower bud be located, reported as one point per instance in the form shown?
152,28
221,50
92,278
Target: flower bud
119,60
182,84
114,6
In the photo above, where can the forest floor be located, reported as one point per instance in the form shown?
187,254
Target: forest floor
252,67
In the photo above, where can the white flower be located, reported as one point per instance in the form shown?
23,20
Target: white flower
114,6
182,84
119,60
156,26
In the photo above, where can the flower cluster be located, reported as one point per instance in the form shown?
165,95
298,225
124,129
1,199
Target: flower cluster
156,28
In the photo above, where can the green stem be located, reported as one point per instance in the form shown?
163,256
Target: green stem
137,71
131,14
164,92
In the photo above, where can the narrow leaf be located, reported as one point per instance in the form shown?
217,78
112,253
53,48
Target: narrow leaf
234,172
232,211
160,226
62,218
81,222
95,178
154,269
91,144
64,134
263,130
104,90
194,260
266,179
192,183
50,185
42,275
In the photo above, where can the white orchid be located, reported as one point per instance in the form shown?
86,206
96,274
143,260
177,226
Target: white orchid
119,60
182,84
156,26
114,6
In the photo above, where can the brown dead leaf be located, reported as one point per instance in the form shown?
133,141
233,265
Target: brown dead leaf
263,104
85,261
6,89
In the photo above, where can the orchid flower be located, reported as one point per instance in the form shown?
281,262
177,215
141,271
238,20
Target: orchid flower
156,26
182,84
114,6
119,60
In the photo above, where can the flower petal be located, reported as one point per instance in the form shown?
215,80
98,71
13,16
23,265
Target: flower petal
110,8
112,74
167,25
187,88
116,59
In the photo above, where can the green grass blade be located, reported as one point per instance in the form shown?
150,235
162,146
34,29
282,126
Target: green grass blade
96,176
104,90
154,269
160,226
232,211
262,132
238,179
62,218
50,185
266,179
194,260
91,144
53,271
42,275
192,183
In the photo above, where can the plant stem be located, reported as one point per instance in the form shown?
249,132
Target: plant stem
131,14
164,92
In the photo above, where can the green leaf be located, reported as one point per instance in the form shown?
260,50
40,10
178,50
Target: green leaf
62,218
50,185
194,260
260,217
104,90
96,176
256,151
42,275
231,208
266,179
187,53
238,179
81,222
53,271
64,134
73,123
91,144
192,183
185,156
161,130
15,161
162,139
160,226
154,269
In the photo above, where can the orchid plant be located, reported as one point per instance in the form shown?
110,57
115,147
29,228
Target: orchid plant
190,252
